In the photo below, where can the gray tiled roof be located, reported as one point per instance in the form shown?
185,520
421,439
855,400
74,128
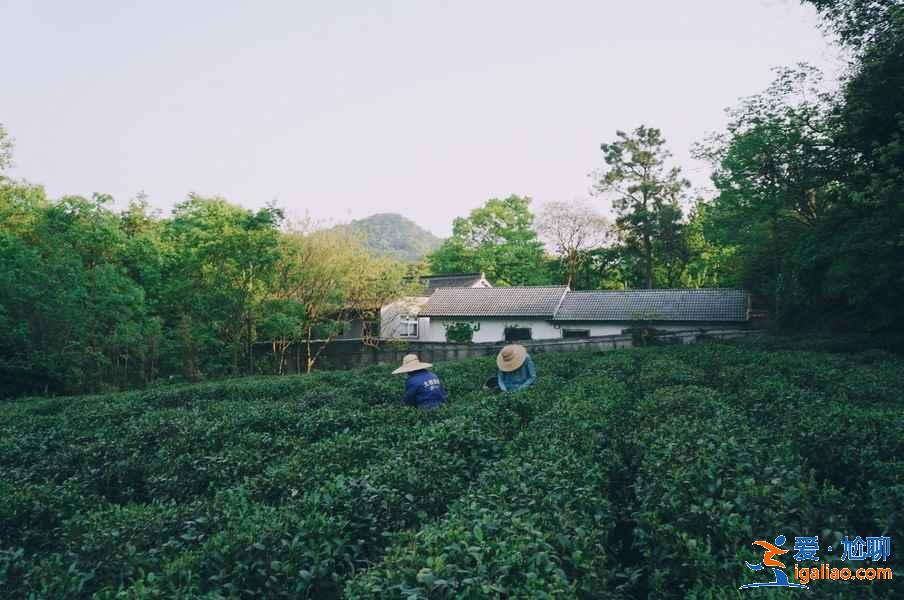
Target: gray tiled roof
494,302
655,305
463,280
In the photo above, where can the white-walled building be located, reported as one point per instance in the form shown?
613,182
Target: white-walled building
401,320
526,312
543,313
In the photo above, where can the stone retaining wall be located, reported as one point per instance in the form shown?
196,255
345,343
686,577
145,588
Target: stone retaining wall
349,354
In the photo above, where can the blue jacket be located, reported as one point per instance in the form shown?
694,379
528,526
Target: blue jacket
521,377
423,389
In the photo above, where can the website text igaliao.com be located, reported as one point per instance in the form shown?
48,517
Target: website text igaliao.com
824,572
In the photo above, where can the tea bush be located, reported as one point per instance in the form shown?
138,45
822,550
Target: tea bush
533,525
706,478
637,473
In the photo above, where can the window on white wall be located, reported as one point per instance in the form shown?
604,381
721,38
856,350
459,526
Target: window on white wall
515,334
575,333
408,327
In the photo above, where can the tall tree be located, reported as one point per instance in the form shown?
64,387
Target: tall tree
645,193
670,246
573,228
862,245
6,150
710,264
221,259
498,238
859,23
324,279
777,171
71,318
810,182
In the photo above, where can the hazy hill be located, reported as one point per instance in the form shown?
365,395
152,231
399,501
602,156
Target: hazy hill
395,235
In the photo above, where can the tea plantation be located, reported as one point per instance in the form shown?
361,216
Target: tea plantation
639,473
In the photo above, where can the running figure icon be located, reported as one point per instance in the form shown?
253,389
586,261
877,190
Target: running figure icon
771,551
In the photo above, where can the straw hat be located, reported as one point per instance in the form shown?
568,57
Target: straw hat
511,358
411,363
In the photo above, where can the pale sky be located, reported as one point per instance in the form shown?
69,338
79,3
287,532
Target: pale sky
347,108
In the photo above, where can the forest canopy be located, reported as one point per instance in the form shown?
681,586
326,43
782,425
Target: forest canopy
806,215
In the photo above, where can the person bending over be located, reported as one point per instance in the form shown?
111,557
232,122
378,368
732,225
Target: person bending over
422,388
516,369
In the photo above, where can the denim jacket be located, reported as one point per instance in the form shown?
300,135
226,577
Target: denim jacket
521,377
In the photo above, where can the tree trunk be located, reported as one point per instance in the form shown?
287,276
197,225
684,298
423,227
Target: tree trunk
249,344
309,360
572,268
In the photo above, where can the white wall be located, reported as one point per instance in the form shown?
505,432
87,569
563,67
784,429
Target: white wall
493,330
595,328
392,314
616,328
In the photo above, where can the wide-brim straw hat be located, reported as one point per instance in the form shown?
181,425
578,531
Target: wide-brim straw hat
511,357
411,363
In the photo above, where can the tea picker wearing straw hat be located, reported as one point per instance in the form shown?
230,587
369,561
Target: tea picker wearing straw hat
422,388
516,369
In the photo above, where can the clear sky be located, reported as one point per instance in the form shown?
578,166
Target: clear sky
346,108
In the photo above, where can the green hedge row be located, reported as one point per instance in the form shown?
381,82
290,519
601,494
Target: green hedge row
708,483
534,525
640,473
458,440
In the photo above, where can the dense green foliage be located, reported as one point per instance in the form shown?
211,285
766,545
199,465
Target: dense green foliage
460,333
647,195
809,204
498,240
396,236
639,473
71,313
92,298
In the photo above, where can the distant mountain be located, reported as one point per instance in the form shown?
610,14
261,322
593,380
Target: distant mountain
395,235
